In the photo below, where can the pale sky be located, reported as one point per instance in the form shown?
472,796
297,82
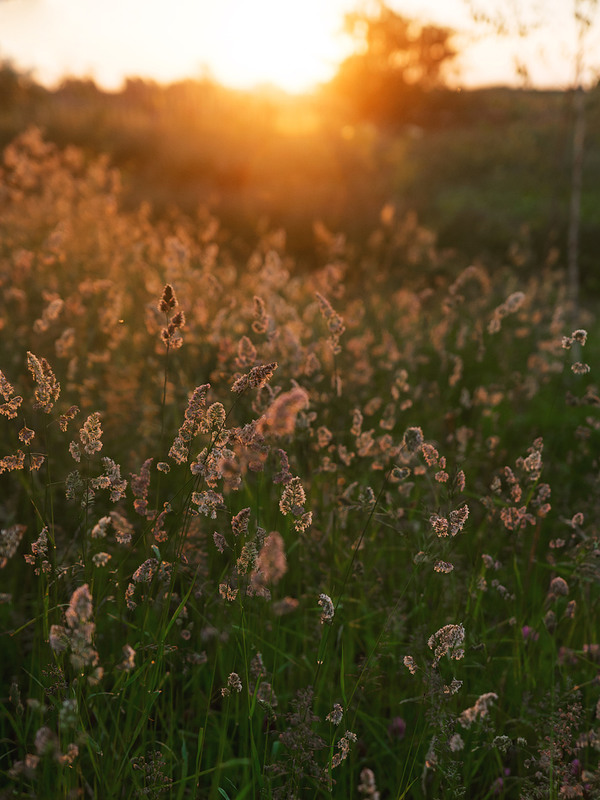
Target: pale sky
292,43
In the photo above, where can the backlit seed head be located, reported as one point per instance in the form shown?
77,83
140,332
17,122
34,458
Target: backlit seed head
413,439
167,300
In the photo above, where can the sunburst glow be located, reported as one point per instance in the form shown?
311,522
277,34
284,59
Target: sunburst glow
290,44
241,43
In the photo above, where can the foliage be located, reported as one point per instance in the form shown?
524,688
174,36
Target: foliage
397,60
286,534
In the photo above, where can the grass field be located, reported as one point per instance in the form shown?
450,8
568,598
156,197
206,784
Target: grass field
269,532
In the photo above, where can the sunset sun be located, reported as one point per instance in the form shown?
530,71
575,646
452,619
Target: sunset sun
290,45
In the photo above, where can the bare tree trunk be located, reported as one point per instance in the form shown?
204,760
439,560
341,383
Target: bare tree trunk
583,11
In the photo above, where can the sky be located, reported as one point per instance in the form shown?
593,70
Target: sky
290,43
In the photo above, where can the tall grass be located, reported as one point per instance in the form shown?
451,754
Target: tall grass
269,533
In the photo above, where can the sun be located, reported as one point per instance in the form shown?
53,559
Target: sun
292,44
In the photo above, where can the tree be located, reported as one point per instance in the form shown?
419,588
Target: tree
396,61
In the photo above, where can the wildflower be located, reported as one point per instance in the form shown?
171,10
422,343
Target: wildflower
239,523
50,314
10,539
516,518
246,561
46,741
10,408
335,323
335,715
410,664
570,609
454,686
439,525
447,640
6,388
139,486
35,461
117,484
479,710
58,638
430,454
293,498
47,389
39,551
168,300
129,593
153,767
502,743
219,541
91,433
26,435
285,476
67,715
443,566
456,743
280,418
227,592
208,502
344,748
367,784
413,439
257,666
271,564
324,436
579,336
303,522
261,319
246,353
397,728
146,571
80,628
529,633
75,451
357,421
12,462
255,379
457,519
234,684
579,368
66,759
101,559
558,587
266,696
190,427
550,621
328,610
128,662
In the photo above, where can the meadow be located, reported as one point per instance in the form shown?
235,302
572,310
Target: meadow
278,532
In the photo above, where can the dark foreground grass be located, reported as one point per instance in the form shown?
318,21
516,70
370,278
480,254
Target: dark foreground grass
270,534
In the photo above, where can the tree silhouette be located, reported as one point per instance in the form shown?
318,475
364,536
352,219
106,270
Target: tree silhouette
395,63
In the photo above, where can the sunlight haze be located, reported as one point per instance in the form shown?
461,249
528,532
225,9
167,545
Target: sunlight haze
292,45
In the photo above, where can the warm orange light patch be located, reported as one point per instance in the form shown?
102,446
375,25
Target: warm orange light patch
290,45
